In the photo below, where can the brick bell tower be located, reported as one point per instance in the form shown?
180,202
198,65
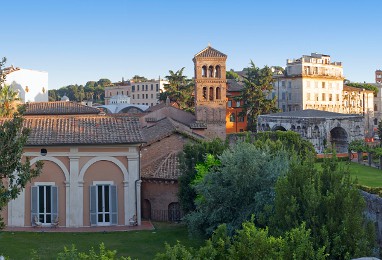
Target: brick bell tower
210,91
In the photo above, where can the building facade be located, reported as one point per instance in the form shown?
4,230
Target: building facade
322,128
378,76
211,91
91,171
310,82
32,85
140,93
236,120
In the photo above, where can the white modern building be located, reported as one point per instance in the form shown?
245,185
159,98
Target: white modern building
32,85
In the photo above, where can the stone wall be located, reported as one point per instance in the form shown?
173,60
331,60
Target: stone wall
374,212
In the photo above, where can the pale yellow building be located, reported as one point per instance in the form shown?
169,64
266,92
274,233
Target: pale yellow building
310,82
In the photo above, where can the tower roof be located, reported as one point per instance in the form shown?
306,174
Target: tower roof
210,52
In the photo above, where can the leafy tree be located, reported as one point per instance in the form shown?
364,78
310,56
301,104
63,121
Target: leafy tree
194,153
249,242
103,254
257,86
138,78
241,186
2,74
104,82
8,96
179,90
14,174
90,84
278,69
289,140
52,94
231,74
363,86
379,132
330,205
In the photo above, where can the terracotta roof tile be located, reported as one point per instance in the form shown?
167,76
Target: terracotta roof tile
160,130
59,108
166,167
233,85
210,52
69,130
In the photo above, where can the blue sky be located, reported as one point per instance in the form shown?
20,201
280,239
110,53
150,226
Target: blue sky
78,41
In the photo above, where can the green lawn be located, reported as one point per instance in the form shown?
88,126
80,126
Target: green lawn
366,175
137,244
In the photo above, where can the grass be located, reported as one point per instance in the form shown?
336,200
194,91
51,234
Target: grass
137,244
365,175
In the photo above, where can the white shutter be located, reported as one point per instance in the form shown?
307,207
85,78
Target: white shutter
54,201
93,205
34,205
114,205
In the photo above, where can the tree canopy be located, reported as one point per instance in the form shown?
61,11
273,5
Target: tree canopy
328,203
363,86
241,185
257,86
137,78
231,74
179,90
14,174
93,90
193,154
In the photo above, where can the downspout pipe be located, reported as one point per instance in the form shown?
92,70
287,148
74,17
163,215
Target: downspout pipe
136,186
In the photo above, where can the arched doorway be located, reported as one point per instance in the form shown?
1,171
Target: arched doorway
146,209
278,128
339,139
174,212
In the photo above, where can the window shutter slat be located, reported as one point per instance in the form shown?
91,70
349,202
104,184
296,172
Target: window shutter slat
54,203
114,204
34,213
93,206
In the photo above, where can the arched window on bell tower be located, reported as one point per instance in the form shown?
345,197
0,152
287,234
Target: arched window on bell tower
204,71
211,71
205,93
211,95
218,93
217,72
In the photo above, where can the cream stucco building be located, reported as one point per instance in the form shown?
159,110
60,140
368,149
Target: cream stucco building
310,82
91,173
140,93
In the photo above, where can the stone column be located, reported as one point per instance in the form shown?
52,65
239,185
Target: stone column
126,201
67,203
130,196
139,202
75,204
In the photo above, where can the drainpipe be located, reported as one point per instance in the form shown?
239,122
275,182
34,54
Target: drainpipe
137,182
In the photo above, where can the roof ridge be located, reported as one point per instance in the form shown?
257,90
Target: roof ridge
210,48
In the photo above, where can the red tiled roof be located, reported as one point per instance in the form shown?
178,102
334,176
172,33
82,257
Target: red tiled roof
234,86
210,52
59,108
158,131
69,130
166,167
